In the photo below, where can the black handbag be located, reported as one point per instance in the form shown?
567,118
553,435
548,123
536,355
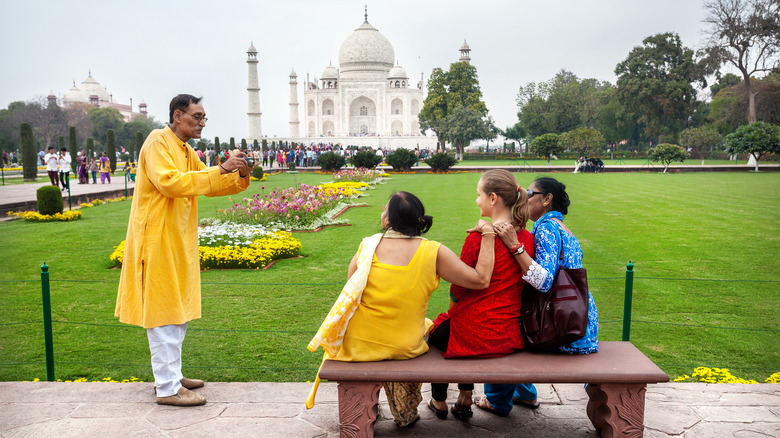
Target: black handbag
559,316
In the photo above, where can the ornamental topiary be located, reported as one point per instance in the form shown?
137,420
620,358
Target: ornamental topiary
331,161
29,157
49,200
365,159
402,159
257,172
441,162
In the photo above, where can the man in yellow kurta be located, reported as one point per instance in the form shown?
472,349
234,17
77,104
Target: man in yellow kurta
159,288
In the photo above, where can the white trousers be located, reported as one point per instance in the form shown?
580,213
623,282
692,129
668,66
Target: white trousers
165,345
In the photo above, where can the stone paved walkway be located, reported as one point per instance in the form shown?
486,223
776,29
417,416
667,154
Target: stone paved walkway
105,410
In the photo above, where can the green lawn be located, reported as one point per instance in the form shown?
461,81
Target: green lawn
704,247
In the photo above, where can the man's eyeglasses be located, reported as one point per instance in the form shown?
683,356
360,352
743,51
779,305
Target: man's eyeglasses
531,193
198,118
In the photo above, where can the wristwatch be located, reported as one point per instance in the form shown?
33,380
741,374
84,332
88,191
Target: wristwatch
518,249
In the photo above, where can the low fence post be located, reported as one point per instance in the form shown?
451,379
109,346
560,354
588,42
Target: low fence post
47,323
627,301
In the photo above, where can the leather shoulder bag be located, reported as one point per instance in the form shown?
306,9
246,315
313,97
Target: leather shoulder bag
559,316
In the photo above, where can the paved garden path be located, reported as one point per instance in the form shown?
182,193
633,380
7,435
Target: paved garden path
53,409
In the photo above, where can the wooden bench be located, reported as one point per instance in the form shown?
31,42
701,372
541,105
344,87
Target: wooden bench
617,377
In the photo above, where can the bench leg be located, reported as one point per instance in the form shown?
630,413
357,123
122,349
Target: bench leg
358,408
617,410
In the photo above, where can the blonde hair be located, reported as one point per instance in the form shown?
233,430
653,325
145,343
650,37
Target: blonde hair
504,185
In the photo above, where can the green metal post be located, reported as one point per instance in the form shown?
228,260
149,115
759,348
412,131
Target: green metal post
47,323
627,301
126,174
2,165
67,184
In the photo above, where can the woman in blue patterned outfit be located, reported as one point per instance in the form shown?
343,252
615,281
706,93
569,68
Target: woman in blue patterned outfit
548,203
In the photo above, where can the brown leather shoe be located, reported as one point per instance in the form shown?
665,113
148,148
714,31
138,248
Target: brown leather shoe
191,383
185,397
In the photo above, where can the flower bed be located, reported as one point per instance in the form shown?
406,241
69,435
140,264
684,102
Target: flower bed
33,216
720,375
359,175
302,207
224,245
104,201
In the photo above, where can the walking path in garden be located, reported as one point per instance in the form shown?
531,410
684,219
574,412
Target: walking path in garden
690,410
22,197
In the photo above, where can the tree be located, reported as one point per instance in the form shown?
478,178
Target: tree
447,91
745,34
72,147
515,132
434,111
701,139
757,139
90,147
656,81
111,149
546,145
29,157
727,80
667,153
463,125
561,104
582,141
729,106
104,119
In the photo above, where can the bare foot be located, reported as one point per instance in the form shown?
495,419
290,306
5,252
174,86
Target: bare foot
465,398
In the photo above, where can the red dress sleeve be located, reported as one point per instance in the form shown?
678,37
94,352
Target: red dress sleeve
469,254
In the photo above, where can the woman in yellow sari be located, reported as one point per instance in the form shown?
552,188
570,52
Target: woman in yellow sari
381,312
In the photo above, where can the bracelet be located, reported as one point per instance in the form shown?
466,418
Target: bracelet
220,166
488,232
518,249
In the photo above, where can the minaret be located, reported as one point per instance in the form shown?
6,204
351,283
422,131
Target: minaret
294,123
255,125
464,53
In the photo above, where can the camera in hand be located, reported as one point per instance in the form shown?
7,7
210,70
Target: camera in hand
249,161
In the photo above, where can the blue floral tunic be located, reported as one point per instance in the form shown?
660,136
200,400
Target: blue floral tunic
548,238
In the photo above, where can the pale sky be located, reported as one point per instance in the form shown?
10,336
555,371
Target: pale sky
151,50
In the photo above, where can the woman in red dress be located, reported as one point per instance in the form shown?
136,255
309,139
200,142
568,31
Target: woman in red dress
484,323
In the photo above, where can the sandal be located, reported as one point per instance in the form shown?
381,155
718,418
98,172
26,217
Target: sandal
484,404
441,414
517,401
461,412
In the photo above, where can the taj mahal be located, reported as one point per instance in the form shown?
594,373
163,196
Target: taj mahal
365,100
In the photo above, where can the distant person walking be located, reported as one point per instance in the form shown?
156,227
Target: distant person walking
105,169
93,168
63,163
51,166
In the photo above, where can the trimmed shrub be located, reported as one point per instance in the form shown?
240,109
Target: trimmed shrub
73,149
401,159
49,200
139,141
365,159
111,149
441,162
90,148
291,165
257,172
331,161
29,157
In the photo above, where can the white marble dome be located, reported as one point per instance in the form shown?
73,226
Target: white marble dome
330,72
366,49
91,87
397,72
74,95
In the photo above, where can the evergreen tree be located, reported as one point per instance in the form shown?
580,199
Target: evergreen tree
72,147
139,141
29,157
232,144
90,148
111,149
243,144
